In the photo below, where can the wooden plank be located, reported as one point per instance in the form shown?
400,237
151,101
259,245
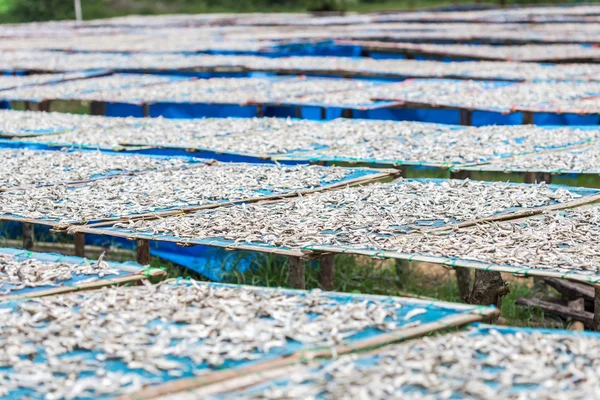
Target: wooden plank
577,305
143,252
596,326
296,277
28,236
587,318
572,290
79,242
327,272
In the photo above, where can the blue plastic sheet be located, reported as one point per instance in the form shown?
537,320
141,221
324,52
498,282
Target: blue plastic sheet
373,360
123,269
434,312
178,205
218,264
313,155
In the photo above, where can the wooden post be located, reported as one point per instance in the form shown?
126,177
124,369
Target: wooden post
143,252
79,241
323,113
296,273
146,110
260,112
28,236
527,118
347,113
327,272
463,279
460,174
402,271
466,117
44,106
578,305
488,289
298,112
97,108
537,177
597,307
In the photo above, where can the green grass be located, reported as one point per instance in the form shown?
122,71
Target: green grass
365,275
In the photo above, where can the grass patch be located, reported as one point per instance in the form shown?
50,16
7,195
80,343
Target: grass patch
369,276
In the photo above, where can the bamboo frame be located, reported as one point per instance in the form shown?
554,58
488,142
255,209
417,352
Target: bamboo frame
82,182
67,225
132,278
186,210
221,377
316,251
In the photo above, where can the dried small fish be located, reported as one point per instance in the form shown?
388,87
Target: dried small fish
162,190
565,241
22,168
520,365
374,216
16,274
63,346
465,146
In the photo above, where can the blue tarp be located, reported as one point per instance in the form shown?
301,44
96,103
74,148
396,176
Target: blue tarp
126,268
433,312
516,390
215,264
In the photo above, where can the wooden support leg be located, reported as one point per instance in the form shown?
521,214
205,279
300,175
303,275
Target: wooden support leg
323,113
143,252
527,118
463,279
44,106
597,307
146,110
260,112
466,117
296,273
537,177
97,108
347,113
327,272
488,289
578,305
79,241
298,112
402,271
28,236
460,174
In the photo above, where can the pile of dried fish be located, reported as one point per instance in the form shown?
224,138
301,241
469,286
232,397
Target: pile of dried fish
261,136
307,135
531,52
164,332
11,81
523,365
82,88
428,90
18,274
186,91
471,145
229,90
566,241
589,105
373,216
22,167
578,160
504,98
31,123
165,132
168,189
